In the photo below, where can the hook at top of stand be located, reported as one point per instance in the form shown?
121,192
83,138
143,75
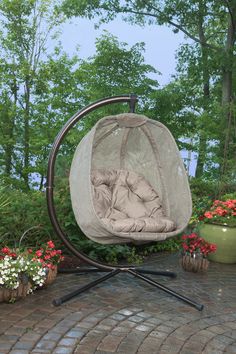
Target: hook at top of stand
132,103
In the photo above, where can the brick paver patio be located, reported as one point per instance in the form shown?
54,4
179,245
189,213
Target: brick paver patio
126,315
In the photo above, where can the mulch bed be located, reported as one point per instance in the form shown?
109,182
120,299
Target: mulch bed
70,262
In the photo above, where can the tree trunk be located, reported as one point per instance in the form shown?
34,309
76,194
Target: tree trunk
202,134
227,89
10,114
26,133
206,92
8,144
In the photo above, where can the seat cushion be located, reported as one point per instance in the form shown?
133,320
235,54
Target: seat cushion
126,202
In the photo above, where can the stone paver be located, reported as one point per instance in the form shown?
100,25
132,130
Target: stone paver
125,315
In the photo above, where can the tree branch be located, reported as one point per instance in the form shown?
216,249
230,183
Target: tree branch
230,13
172,23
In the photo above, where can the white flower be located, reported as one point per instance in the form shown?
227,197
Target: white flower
11,271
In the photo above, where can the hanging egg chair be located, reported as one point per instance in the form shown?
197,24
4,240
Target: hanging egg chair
127,184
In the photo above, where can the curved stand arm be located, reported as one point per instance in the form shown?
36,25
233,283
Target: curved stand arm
131,99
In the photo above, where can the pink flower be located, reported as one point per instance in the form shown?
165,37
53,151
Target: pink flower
208,215
220,211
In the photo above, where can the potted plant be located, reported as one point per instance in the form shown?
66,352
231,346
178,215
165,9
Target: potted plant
19,275
194,252
218,225
49,257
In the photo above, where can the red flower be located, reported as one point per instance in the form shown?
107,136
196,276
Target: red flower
47,257
50,244
191,236
208,215
230,204
195,244
222,212
6,250
53,253
13,255
39,253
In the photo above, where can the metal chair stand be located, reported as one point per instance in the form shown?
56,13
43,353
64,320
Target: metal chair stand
110,270
136,272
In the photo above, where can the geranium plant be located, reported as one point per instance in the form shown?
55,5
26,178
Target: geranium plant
194,245
14,267
221,212
47,255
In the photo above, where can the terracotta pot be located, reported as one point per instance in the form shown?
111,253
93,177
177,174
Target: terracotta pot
225,239
195,263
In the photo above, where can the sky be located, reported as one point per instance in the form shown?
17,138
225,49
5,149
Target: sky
160,42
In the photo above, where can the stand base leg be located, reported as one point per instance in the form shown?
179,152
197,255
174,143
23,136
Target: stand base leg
156,272
59,301
167,290
136,272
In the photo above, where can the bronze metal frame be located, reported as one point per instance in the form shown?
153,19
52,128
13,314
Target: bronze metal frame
111,270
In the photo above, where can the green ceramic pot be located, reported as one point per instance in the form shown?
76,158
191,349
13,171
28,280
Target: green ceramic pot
225,239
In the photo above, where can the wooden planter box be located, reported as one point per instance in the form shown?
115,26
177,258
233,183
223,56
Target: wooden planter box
51,276
195,263
11,295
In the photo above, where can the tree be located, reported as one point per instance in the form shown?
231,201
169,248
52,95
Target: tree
38,94
116,69
209,24
26,26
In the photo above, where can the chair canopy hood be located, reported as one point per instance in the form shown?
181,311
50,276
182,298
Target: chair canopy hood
135,143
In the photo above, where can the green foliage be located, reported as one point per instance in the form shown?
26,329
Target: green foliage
116,69
229,196
111,254
26,223
201,188
40,91
27,213
171,244
173,106
205,68
4,199
204,192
